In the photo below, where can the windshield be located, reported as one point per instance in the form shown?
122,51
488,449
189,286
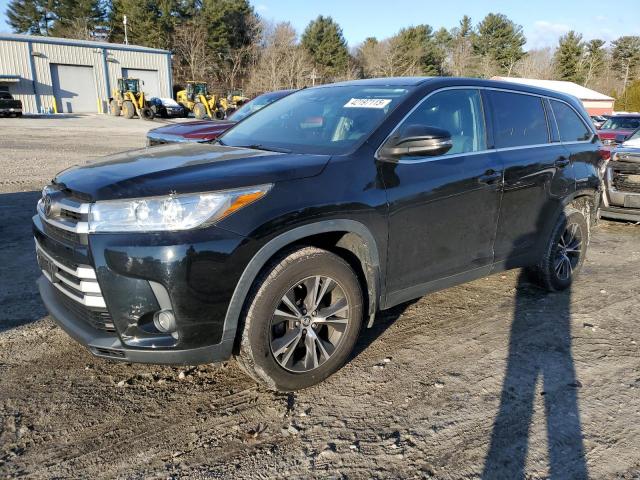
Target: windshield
625,123
634,136
318,120
199,88
256,104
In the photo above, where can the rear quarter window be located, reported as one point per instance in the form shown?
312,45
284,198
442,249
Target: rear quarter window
519,119
571,127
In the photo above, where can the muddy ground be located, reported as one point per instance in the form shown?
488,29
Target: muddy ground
492,379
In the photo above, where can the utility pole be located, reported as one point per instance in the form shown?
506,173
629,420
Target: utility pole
126,39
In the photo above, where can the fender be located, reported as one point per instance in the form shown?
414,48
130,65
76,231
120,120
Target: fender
371,267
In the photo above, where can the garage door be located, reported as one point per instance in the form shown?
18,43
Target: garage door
151,86
74,88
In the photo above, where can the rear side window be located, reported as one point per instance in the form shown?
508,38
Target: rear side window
519,120
572,129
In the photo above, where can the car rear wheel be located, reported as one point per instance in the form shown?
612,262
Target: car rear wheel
564,253
301,320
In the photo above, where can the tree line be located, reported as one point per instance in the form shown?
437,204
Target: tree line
226,43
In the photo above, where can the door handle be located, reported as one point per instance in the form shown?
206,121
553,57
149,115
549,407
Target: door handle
561,162
490,177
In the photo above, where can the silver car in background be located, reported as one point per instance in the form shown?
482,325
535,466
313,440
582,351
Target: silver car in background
621,196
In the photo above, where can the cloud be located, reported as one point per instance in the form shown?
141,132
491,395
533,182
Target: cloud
262,8
546,34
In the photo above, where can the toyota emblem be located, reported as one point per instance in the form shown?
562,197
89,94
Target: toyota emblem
46,203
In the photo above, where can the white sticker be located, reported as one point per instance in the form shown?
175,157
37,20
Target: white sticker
367,103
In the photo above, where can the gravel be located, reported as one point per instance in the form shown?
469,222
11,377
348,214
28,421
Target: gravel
492,379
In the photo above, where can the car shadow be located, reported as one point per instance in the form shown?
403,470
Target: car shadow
19,298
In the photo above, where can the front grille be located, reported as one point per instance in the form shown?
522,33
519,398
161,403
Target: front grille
99,319
626,183
64,236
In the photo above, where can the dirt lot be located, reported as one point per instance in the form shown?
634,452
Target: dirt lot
492,379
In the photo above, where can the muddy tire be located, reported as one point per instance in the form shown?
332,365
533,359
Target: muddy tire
564,252
199,111
220,114
128,110
301,319
114,108
146,113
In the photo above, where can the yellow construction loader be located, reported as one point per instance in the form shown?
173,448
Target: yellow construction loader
129,100
197,99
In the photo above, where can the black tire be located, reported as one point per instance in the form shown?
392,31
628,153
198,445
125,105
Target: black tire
199,111
146,113
560,252
219,114
260,326
114,108
128,110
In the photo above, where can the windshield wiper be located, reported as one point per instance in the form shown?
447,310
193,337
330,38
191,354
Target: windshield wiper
259,146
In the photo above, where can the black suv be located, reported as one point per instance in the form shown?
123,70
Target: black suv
279,241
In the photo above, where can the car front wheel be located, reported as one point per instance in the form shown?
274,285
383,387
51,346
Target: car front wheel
301,321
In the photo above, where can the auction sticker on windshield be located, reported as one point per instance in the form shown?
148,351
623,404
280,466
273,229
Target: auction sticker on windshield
367,103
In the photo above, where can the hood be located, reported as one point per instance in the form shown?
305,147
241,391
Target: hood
202,130
185,168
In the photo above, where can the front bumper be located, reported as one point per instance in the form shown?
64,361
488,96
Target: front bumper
621,199
620,213
192,273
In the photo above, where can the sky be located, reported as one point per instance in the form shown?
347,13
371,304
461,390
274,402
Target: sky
543,20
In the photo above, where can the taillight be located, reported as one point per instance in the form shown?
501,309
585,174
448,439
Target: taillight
605,154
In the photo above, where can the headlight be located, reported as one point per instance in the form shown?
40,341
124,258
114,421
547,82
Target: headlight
173,212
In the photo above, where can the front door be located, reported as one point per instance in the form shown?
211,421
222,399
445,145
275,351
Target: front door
443,210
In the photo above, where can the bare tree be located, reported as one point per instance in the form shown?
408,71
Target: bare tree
190,46
282,62
537,63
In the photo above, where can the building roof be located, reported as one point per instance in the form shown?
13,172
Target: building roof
571,88
78,43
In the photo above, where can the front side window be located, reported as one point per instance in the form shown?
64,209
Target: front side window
331,120
519,119
571,128
459,112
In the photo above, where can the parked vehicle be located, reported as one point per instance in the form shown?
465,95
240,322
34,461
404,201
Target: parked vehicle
129,99
207,130
196,98
617,128
9,106
598,120
277,243
621,198
166,108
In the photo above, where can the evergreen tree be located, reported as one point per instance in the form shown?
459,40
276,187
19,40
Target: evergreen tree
325,44
418,52
568,58
30,16
461,57
626,58
77,18
500,41
630,99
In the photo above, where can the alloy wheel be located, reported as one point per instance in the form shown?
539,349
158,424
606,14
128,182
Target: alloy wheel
309,323
568,251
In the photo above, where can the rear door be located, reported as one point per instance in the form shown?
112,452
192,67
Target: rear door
534,164
443,210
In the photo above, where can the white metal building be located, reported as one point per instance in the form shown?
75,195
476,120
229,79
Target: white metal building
594,102
59,75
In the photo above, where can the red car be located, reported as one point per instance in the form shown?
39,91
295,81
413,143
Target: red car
617,128
207,130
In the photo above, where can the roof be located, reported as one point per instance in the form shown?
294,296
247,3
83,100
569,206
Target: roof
570,88
386,81
14,37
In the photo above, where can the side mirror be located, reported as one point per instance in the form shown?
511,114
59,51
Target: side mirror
417,141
